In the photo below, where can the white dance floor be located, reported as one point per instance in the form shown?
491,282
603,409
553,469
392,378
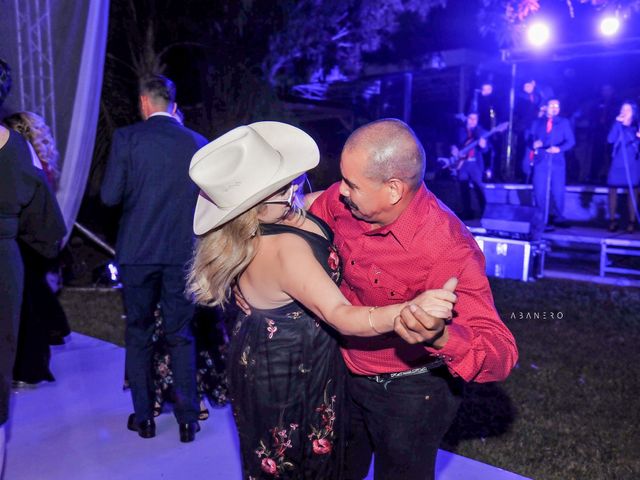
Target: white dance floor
75,428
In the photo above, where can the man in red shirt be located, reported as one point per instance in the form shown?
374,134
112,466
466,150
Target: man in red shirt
396,239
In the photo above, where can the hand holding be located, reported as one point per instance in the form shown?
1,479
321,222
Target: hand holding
537,144
553,150
415,325
482,143
438,302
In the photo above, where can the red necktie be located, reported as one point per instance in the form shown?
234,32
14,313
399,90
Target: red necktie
549,124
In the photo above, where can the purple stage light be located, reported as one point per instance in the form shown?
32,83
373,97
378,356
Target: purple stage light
538,34
609,26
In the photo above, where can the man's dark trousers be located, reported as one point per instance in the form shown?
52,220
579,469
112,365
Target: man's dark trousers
144,287
549,178
470,174
401,422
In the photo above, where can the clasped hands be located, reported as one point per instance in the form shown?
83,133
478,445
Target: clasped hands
426,317
538,143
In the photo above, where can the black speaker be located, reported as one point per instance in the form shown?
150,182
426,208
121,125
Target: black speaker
508,219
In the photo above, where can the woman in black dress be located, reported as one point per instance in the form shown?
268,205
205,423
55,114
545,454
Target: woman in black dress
285,370
42,319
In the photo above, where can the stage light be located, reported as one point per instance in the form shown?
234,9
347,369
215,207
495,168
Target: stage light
609,26
106,275
113,272
538,34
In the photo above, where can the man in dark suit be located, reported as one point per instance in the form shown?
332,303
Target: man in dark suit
148,173
551,136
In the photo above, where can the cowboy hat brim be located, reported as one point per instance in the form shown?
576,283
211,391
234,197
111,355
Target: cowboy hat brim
299,154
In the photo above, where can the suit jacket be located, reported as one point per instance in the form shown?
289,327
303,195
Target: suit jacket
561,136
148,173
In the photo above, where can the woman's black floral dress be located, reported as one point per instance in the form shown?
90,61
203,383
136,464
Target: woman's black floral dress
286,379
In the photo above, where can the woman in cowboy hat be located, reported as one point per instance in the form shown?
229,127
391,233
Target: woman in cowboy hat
285,371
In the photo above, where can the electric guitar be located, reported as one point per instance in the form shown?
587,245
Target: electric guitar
455,162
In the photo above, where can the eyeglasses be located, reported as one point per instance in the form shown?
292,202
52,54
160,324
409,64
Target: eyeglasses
288,202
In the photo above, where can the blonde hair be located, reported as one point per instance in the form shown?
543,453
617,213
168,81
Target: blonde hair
220,256
223,254
34,128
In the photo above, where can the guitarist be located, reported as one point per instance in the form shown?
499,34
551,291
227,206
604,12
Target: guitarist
550,137
471,167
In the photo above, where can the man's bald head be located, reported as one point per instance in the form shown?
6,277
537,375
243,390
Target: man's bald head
392,150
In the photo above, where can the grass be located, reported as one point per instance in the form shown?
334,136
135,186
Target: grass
569,410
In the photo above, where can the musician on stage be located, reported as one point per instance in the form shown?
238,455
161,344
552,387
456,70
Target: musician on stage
470,167
550,137
487,104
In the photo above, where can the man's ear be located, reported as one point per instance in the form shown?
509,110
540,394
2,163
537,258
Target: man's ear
144,106
396,189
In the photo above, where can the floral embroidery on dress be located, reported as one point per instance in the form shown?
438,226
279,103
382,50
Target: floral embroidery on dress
334,263
322,436
271,328
294,315
273,461
244,358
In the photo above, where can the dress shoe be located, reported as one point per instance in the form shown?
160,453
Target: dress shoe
146,429
188,431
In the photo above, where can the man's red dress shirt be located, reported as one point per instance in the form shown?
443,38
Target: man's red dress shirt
424,247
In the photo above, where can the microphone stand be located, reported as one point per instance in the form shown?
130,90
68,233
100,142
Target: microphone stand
625,156
547,199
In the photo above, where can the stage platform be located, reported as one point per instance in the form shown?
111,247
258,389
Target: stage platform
75,428
586,251
578,253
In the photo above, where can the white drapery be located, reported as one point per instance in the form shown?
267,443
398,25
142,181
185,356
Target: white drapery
76,163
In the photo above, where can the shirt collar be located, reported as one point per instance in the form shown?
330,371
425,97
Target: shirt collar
160,114
405,226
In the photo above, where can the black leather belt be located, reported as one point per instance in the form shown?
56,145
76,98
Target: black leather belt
387,377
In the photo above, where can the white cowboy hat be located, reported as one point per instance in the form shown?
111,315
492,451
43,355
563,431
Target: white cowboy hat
241,168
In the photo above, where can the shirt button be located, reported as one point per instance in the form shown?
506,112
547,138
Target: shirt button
375,281
393,294
353,262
